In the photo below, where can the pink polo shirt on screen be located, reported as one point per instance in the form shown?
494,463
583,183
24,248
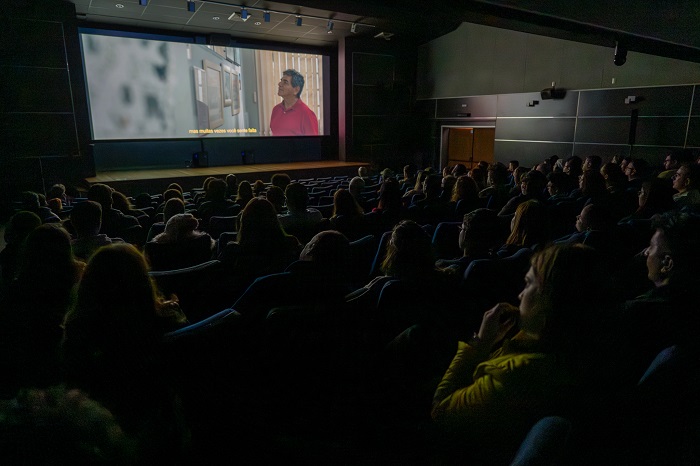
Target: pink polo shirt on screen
299,120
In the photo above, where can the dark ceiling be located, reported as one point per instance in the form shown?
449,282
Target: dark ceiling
669,28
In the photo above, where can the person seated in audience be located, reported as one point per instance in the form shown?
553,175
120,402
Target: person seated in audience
320,278
200,196
573,167
525,362
86,219
593,218
348,216
56,206
299,219
144,201
112,350
655,197
529,228
192,246
592,162
114,222
512,165
31,202
431,209
389,208
667,314
261,247
32,310
231,186
41,425
58,191
479,175
591,188
687,181
276,197
123,204
385,175
532,187
259,188
172,207
363,172
216,203
459,170
465,196
479,234
448,185
356,188
410,171
637,171
281,180
168,194
673,161
20,225
417,189
498,192
245,193
557,187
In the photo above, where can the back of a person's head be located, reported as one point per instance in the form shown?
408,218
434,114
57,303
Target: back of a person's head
143,200
102,194
232,181
482,230
175,186
559,181
362,171
693,175
573,291
172,207
217,190
56,191
297,197
465,188
245,191
178,227
86,218
595,162
345,204
172,194
357,184
593,183
30,201
259,187
641,167
536,182
387,173
120,202
681,233
659,195
276,196
259,223
207,180
410,170
600,217
329,250
390,195
612,173
409,252
20,225
432,185
116,298
530,224
281,180
47,253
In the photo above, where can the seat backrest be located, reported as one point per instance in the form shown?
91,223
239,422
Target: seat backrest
362,253
490,281
545,444
218,225
379,255
172,256
446,240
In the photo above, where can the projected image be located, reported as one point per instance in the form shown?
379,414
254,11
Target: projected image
152,89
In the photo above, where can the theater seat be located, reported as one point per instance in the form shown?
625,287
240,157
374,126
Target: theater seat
171,256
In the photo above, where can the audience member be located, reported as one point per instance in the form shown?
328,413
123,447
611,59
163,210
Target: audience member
281,180
245,194
86,219
348,216
114,222
687,181
529,228
20,225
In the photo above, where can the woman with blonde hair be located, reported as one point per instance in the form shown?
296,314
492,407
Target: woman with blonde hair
528,228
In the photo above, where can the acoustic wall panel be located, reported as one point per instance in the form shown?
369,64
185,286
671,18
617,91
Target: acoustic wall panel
693,132
467,107
24,89
603,130
523,105
536,129
661,131
649,101
530,153
29,42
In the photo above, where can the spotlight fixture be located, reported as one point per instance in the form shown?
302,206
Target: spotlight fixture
143,2
119,5
266,16
329,28
620,56
353,28
244,14
191,6
215,18
298,20
233,15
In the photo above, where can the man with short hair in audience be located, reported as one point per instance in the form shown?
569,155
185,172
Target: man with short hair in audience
114,222
592,162
299,220
637,171
686,181
281,180
31,202
671,163
86,219
667,314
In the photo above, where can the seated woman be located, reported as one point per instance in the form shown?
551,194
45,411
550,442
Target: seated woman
348,216
180,245
261,247
490,396
112,349
245,193
528,228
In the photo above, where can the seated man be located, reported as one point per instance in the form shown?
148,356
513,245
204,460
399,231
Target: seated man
687,181
300,220
114,222
86,219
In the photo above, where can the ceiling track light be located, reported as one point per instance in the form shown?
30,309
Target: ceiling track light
191,7
244,14
266,16
329,28
298,20
233,15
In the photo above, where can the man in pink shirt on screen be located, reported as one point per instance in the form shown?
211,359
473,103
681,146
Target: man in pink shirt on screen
292,117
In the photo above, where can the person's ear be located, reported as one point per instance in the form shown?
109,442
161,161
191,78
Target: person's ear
667,264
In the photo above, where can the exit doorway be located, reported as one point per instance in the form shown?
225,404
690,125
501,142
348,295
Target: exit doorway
467,145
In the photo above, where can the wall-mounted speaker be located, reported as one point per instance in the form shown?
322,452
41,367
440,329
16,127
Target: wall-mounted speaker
552,93
620,56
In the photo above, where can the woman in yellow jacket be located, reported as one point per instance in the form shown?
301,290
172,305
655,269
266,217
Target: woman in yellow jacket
491,395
